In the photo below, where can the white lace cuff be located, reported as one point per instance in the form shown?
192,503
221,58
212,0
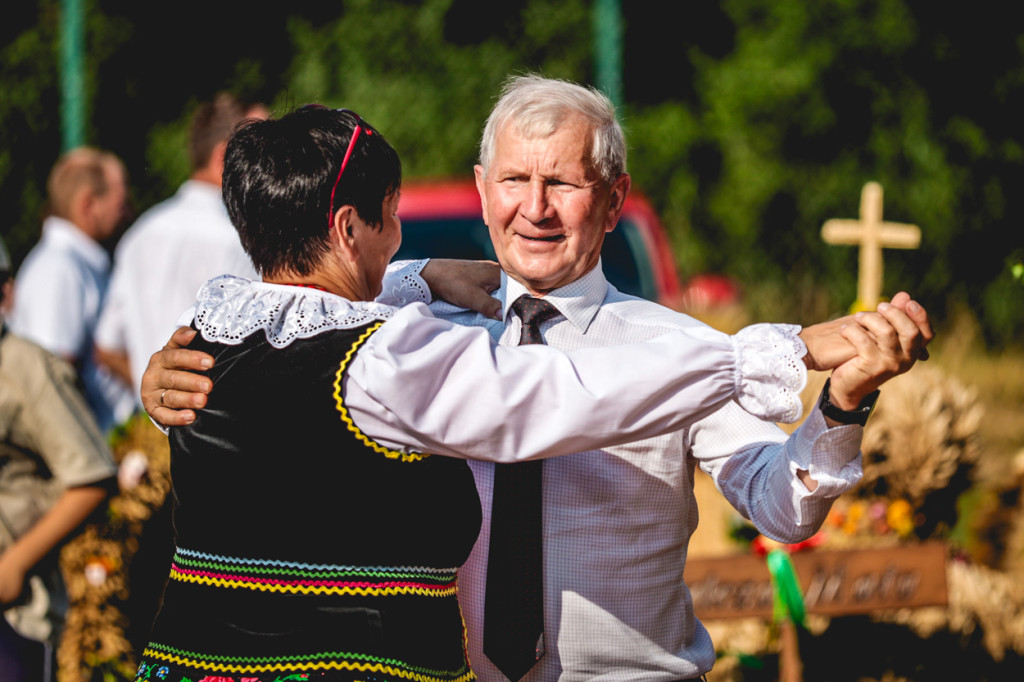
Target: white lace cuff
403,284
771,371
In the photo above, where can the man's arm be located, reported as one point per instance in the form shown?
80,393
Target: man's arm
554,402
171,391
888,343
56,425
786,486
558,404
116,361
163,387
71,509
109,342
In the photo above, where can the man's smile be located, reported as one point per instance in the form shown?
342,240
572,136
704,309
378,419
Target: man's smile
543,238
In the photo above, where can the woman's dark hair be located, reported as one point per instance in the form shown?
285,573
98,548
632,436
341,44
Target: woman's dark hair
278,177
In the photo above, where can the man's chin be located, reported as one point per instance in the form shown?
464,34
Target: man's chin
539,285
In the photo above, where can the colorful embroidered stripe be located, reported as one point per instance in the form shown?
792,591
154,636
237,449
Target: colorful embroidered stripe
227,572
377,447
441,573
329,660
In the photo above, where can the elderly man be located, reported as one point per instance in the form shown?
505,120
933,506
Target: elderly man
173,248
614,524
63,281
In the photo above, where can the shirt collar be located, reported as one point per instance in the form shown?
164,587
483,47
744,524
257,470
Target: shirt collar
578,301
197,190
60,231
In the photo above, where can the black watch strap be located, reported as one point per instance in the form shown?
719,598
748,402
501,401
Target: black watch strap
857,416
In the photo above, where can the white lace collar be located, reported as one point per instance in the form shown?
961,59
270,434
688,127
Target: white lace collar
229,309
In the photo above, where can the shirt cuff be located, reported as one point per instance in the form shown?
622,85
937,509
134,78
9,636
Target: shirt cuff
830,455
770,371
403,284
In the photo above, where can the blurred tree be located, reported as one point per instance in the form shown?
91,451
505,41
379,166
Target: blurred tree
427,73
749,123
29,125
141,76
801,105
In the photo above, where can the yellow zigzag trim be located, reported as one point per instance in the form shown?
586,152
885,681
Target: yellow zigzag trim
286,667
380,449
314,589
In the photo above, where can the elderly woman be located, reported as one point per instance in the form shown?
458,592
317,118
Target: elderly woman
315,539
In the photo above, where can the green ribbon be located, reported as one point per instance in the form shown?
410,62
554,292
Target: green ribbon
787,599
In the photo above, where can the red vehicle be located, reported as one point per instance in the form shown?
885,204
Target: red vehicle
442,219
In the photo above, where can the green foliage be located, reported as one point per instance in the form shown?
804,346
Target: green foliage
749,124
812,101
166,141
28,80
391,62
29,121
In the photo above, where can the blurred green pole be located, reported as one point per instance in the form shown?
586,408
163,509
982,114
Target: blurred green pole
608,48
72,107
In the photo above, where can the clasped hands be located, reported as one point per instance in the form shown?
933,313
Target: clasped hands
866,349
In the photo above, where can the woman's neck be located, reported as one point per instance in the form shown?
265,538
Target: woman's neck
339,284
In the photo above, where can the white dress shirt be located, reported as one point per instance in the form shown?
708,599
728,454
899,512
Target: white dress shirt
617,521
421,384
58,295
159,265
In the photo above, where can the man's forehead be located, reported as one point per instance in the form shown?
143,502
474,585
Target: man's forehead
113,171
529,128
570,142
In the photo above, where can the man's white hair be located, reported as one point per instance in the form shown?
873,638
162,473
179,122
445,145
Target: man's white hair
537,107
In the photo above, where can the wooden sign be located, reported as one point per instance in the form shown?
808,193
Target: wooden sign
834,582
872,235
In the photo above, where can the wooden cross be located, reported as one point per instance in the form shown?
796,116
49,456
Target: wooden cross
872,235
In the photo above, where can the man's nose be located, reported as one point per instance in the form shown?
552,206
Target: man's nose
536,208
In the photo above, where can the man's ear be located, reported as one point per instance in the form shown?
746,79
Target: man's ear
617,199
216,164
478,172
82,209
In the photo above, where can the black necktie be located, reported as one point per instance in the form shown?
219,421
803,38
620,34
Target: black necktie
514,601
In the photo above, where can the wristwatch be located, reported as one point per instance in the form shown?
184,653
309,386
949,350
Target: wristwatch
857,416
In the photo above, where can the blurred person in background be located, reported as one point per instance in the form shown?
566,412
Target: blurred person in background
63,280
173,248
55,471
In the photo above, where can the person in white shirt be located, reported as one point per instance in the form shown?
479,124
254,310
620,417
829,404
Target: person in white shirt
616,520
63,280
173,248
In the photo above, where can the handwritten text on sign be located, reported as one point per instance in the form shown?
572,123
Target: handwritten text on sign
840,582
